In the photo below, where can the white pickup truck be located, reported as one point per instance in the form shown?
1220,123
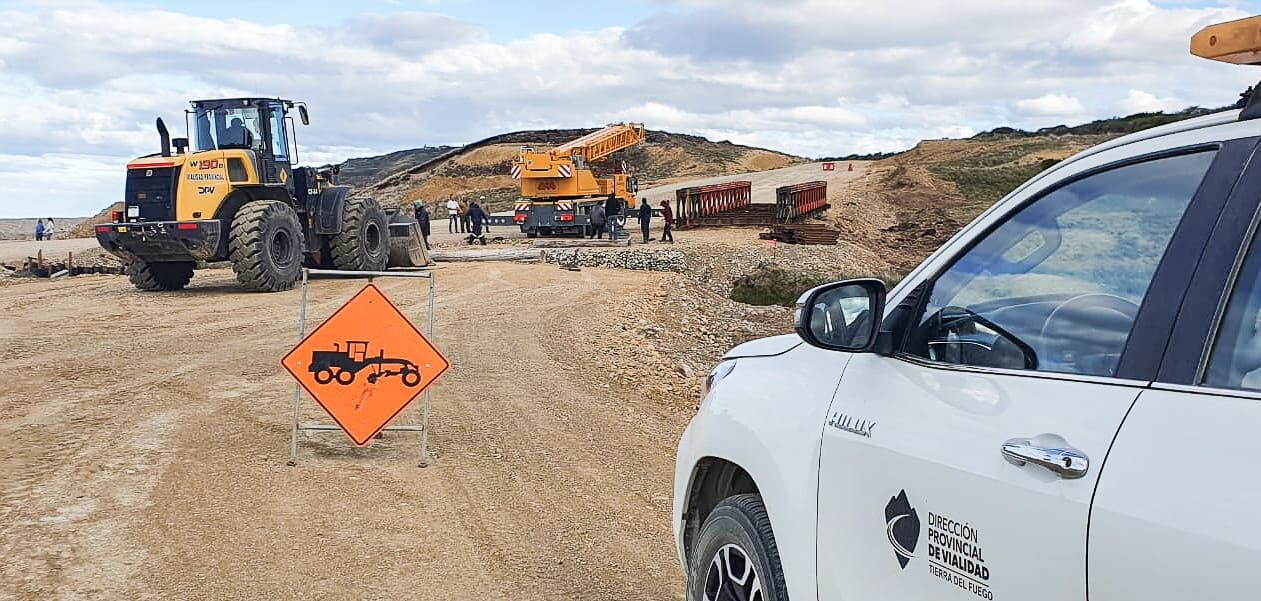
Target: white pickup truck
1063,402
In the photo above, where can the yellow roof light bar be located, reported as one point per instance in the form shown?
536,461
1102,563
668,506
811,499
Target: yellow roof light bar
1237,42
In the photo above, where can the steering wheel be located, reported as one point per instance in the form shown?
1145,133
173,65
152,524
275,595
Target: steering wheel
1087,327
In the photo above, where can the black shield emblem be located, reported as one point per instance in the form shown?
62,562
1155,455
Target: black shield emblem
902,526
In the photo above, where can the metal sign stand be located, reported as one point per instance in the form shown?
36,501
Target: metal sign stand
298,427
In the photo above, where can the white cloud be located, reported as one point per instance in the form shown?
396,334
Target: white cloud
1139,101
1052,105
81,85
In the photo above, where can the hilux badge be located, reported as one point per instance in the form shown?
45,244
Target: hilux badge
850,424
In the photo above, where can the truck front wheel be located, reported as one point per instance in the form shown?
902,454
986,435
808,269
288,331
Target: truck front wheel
736,558
160,276
265,246
363,244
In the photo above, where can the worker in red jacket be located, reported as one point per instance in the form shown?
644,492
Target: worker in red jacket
668,215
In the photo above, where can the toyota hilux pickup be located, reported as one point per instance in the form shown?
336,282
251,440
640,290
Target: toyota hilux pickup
1062,402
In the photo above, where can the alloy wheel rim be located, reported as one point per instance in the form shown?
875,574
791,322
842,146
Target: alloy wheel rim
732,576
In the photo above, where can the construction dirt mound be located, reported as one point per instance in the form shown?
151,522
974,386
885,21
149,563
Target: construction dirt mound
909,204
84,229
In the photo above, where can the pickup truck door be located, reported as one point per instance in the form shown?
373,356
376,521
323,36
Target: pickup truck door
1174,516
963,466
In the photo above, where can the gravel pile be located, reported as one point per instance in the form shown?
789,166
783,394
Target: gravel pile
618,258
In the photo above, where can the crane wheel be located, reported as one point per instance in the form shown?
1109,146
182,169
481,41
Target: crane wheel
159,276
364,242
265,245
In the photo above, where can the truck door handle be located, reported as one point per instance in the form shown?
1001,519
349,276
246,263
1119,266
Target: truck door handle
1065,461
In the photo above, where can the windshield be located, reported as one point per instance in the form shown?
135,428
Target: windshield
229,128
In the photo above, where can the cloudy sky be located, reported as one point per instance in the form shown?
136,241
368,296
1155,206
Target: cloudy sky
81,82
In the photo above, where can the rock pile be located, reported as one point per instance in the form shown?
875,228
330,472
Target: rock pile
618,258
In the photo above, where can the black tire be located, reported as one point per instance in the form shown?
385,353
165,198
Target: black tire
348,379
411,379
736,534
364,242
324,376
265,246
160,276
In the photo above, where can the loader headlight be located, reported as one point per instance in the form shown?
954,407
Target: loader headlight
716,375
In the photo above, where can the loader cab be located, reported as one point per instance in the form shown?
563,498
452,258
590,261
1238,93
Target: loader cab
259,125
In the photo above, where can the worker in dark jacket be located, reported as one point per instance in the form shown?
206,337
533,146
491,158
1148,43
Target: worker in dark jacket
668,216
612,209
598,219
422,220
645,216
477,220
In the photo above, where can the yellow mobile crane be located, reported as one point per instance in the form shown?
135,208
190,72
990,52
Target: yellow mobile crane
558,187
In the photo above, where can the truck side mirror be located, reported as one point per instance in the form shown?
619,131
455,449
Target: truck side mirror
841,316
302,114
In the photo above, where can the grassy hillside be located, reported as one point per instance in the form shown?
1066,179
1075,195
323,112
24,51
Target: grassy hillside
366,171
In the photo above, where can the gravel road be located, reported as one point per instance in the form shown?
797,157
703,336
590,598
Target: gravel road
143,440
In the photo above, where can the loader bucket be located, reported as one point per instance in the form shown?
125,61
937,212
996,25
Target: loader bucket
407,247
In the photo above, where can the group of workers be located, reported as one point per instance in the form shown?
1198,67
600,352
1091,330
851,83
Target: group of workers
603,219
462,218
472,219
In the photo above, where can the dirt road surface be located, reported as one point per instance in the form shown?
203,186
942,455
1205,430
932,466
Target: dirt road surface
143,440
765,182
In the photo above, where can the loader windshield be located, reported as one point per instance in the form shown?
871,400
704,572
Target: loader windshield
237,127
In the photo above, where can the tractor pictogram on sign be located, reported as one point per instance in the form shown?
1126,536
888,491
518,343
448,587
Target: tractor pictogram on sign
365,364
343,365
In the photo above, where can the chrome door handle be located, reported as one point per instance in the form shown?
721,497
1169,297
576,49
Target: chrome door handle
1065,461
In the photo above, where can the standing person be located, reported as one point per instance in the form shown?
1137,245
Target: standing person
39,229
598,219
612,208
49,229
668,216
464,218
477,219
486,219
453,215
645,217
422,220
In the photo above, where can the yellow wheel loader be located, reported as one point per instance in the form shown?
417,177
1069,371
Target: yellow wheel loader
237,196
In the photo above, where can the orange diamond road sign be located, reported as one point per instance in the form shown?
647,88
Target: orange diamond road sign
365,363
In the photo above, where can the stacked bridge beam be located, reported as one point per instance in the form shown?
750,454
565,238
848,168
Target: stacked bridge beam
798,201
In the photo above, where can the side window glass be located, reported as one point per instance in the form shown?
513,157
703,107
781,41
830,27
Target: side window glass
1236,358
1058,285
278,141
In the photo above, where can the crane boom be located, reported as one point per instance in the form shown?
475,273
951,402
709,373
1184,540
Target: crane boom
599,144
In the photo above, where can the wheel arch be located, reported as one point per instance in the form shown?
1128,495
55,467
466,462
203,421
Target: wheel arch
243,194
713,479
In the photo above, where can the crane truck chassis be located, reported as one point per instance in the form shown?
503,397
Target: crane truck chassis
238,197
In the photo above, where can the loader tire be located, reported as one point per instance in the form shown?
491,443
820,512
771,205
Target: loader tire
160,276
265,246
364,242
